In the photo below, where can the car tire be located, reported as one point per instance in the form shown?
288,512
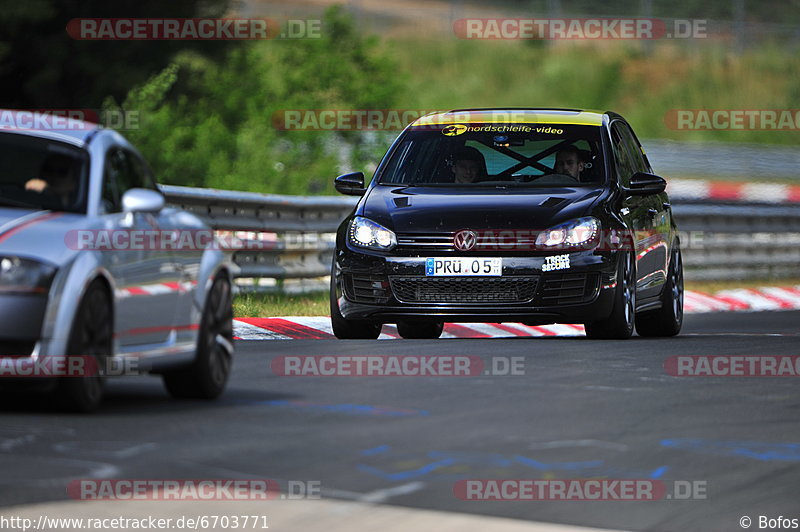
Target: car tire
667,320
427,330
91,335
619,325
345,329
208,375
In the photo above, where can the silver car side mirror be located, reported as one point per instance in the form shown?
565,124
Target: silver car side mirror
142,200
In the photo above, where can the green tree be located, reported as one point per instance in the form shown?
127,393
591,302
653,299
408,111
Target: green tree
207,123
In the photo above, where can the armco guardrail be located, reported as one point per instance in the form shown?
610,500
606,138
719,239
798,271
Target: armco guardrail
299,229
250,211
739,241
720,241
722,160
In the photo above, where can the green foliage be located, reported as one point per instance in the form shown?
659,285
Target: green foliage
617,77
769,11
210,124
206,109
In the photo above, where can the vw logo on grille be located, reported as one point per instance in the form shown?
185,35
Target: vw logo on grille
465,240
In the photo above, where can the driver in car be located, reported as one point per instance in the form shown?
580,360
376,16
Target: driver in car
469,165
57,177
569,162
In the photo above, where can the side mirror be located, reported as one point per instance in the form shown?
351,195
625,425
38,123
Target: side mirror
350,184
142,200
644,184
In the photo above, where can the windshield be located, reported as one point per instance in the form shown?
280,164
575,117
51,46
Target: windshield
37,173
543,155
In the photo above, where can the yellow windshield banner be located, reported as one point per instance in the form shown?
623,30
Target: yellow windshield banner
459,118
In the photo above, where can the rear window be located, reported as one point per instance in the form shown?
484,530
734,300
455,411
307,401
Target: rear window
42,174
543,155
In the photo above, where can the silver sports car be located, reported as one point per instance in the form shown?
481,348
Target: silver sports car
83,278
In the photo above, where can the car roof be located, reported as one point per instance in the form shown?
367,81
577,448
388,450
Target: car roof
514,115
56,126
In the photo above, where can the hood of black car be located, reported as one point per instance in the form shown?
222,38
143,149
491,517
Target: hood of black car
448,209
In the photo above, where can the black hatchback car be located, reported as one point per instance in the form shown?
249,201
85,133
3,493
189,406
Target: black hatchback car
509,215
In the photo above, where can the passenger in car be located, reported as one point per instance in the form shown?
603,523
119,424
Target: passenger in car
569,161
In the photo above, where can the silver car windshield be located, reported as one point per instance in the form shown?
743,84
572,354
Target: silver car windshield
42,174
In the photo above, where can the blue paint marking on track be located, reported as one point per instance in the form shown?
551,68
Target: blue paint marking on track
405,475
376,450
492,459
764,451
442,459
437,460
657,473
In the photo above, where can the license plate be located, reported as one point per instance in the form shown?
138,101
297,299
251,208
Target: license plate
463,266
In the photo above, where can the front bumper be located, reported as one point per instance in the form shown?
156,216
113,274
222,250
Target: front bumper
21,319
386,289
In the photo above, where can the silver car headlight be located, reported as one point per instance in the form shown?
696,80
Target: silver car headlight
367,234
578,233
24,275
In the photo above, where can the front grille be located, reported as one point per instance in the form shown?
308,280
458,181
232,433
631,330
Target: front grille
487,241
425,240
463,289
367,289
16,348
568,288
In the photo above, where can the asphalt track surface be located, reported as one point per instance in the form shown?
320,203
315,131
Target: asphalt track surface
583,409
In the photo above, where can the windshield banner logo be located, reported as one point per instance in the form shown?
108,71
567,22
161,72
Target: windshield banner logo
455,129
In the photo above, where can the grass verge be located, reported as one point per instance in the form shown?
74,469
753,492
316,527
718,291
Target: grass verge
266,305
710,287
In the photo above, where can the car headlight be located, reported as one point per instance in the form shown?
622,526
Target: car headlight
579,233
367,234
25,275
